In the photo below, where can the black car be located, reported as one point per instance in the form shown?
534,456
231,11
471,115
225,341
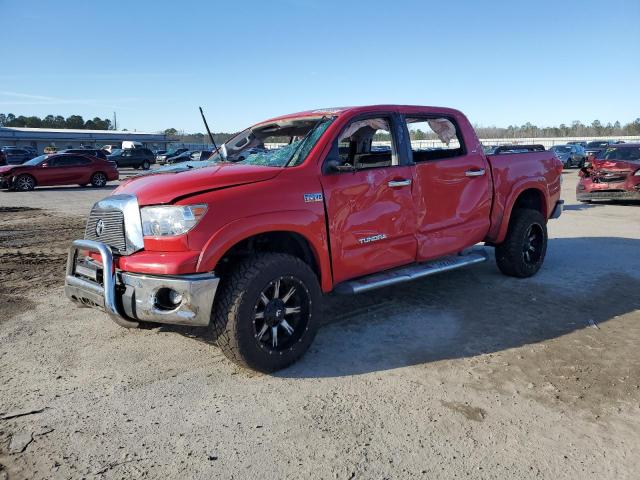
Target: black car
17,156
167,156
190,156
133,157
94,152
593,148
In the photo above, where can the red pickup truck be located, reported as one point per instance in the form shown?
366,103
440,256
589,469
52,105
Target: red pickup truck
344,200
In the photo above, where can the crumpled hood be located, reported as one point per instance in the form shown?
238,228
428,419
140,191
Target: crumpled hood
615,165
164,187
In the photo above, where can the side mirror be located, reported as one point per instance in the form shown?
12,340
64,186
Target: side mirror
337,166
44,164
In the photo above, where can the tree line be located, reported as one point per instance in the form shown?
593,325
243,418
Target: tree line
575,129
55,121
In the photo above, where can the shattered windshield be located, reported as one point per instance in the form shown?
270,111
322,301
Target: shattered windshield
279,144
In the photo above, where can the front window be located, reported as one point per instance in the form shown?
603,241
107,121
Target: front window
279,144
36,160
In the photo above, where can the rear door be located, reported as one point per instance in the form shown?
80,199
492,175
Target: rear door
453,187
370,209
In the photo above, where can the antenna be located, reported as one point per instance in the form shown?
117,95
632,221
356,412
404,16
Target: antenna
206,125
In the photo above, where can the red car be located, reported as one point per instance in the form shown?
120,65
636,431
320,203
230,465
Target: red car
62,169
613,175
349,201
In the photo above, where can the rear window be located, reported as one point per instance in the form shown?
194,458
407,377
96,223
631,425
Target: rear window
597,144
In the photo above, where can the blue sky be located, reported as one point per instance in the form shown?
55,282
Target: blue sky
154,62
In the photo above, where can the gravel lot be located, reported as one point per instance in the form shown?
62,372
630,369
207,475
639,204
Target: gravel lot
469,374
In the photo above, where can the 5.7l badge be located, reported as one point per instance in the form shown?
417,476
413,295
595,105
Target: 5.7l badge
313,197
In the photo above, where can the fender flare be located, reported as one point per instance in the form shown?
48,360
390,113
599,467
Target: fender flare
526,184
307,224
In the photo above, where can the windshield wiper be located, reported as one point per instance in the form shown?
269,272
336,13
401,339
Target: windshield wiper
304,141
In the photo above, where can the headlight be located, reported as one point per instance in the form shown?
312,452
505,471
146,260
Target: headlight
163,221
637,174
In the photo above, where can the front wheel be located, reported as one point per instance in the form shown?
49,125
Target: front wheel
146,165
267,312
24,183
525,246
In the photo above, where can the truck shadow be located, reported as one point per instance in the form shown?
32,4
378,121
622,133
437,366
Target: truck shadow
475,311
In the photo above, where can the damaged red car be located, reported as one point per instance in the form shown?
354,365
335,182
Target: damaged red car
613,175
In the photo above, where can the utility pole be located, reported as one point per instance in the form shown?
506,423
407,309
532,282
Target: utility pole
115,121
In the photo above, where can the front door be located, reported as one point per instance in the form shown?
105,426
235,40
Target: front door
369,201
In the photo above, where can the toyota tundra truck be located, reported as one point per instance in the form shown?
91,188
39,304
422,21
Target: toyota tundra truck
341,200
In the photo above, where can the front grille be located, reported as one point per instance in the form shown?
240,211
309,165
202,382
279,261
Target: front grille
113,232
604,176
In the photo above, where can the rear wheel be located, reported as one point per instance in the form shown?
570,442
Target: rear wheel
24,183
267,311
146,165
98,180
525,246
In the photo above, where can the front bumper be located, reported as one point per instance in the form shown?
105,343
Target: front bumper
131,297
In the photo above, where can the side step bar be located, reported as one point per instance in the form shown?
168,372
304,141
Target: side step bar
411,272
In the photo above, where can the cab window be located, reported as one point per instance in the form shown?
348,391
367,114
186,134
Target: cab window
434,138
368,143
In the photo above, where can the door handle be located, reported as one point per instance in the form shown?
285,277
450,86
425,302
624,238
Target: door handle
474,173
399,183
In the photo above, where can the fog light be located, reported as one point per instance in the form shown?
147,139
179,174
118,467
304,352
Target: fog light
168,299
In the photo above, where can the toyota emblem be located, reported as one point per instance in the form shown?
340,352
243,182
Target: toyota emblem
99,227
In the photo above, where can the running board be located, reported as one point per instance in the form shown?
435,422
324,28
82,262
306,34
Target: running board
411,272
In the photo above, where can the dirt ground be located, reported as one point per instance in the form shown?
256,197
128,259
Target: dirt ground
469,374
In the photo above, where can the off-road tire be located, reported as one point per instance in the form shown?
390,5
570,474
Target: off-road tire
233,312
510,255
24,183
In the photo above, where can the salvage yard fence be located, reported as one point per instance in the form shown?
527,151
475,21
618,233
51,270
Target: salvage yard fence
548,142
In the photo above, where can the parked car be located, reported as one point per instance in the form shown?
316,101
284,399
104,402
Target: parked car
94,152
164,158
613,175
502,149
593,148
252,241
16,156
3,158
58,169
198,155
133,157
571,155
32,150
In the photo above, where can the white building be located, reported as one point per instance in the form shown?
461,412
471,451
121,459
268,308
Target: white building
39,138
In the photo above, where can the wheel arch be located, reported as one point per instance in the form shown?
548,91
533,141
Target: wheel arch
266,234
529,195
